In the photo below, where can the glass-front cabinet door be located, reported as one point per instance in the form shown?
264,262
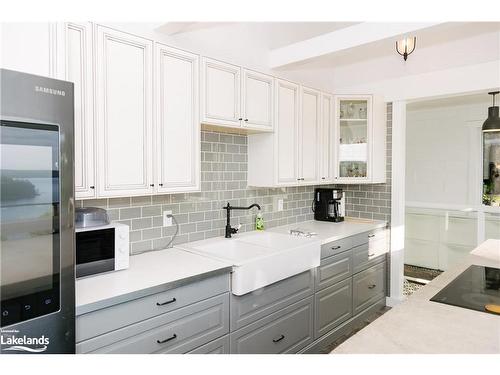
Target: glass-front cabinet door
353,120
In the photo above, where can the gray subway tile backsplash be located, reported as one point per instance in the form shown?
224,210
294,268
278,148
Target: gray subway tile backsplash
223,178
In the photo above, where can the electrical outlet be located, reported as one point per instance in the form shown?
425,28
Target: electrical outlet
280,204
167,218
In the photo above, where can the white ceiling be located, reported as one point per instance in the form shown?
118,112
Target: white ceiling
440,34
271,34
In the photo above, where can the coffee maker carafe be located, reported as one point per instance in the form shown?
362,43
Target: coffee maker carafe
327,205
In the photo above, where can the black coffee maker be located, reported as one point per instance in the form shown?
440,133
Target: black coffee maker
326,205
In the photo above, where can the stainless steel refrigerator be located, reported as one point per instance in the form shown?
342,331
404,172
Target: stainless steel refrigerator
37,283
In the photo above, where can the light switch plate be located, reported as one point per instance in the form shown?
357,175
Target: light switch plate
167,218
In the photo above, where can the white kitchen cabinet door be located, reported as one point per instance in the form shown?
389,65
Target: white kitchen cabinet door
220,93
79,70
124,113
287,122
309,135
32,47
257,91
177,127
326,138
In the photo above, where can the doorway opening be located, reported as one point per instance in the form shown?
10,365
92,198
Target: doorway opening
444,213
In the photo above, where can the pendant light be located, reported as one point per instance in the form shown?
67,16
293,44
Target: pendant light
491,155
492,123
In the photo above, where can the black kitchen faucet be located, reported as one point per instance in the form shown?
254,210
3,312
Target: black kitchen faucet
230,230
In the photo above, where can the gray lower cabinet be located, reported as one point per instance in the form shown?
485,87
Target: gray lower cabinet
362,258
368,287
114,317
286,331
332,306
218,346
262,302
333,269
178,331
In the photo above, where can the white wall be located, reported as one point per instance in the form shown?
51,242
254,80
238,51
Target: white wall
443,151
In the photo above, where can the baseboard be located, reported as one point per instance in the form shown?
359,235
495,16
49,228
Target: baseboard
394,301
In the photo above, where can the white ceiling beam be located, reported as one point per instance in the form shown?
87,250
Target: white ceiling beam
342,39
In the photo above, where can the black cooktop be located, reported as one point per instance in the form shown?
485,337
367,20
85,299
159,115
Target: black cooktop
474,288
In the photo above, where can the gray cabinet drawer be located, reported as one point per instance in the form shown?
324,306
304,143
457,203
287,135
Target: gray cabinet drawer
333,269
111,318
262,302
332,306
178,331
285,331
218,346
368,287
335,247
363,258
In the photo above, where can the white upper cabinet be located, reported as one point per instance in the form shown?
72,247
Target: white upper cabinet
220,93
79,70
360,139
309,128
177,126
257,92
326,139
124,113
32,47
287,127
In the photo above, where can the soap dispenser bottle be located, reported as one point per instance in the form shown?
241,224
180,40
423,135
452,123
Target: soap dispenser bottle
259,222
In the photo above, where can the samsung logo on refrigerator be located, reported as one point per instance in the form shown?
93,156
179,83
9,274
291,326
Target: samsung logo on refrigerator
48,90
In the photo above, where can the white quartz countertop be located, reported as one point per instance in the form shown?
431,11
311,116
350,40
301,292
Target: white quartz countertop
148,273
421,326
327,231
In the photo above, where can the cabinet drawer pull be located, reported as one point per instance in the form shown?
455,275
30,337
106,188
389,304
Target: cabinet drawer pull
240,119
160,184
371,235
152,185
370,255
174,336
279,338
336,247
372,286
246,120
166,303
92,187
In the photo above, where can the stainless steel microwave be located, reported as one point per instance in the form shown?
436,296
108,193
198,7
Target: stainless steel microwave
101,249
